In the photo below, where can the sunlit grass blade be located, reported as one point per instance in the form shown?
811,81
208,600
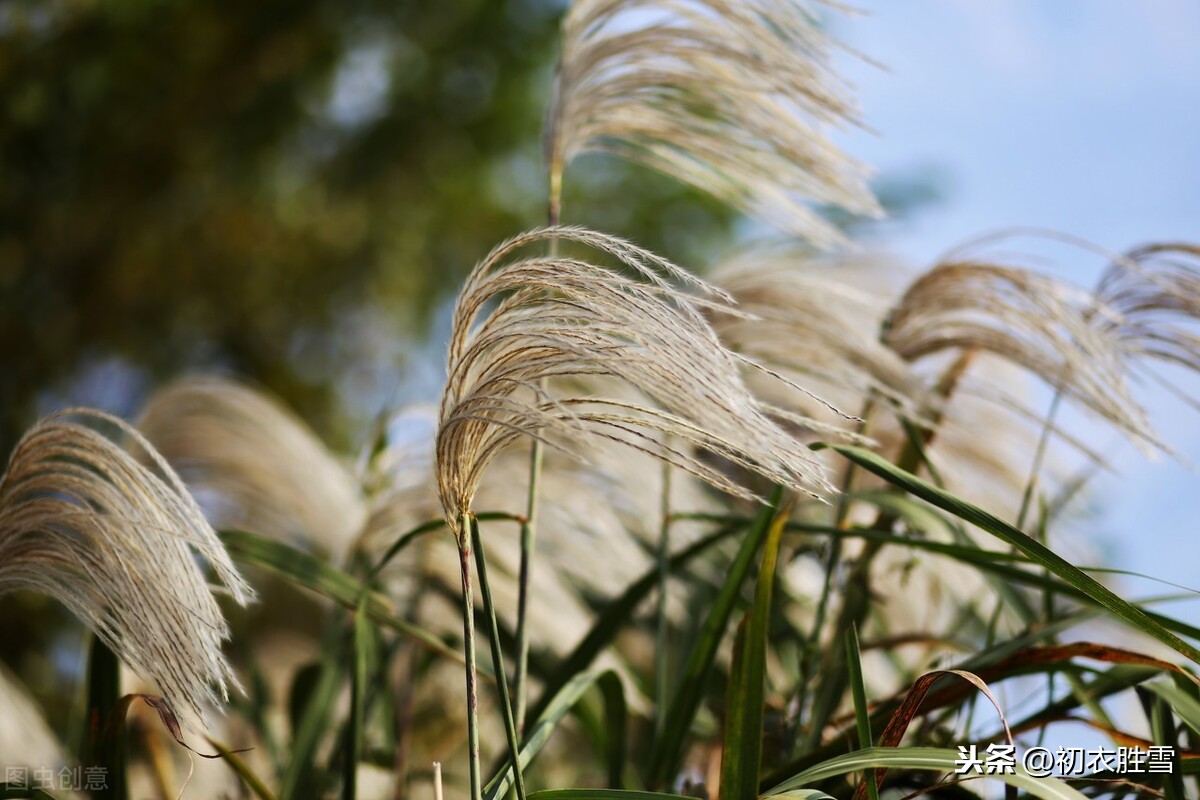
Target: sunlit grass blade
250,780
920,758
557,708
742,754
617,614
1035,550
668,750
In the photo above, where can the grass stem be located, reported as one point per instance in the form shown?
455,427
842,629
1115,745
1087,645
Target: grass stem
468,609
510,728
528,542
660,634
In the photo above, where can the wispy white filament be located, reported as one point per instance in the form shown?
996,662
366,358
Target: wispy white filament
731,96
116,542
519,322
254,464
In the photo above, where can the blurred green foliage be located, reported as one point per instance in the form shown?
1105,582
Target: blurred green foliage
270,188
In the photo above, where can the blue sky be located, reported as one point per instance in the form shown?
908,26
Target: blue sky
1077,115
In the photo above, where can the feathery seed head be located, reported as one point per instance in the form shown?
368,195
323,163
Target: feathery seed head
115,541
730,97
815,321
1155,291
1037,322
254,463
521,322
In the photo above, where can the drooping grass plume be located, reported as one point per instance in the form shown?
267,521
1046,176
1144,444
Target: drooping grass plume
816,321
1039,323
116,542
1155,291
254,465
734,98
560,317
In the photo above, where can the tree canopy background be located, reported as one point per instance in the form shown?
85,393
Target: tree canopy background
271,189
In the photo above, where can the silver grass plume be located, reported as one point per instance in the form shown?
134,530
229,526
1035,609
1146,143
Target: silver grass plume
1155,292
115,541
519,322
815,320
1044,325
253,464
730,97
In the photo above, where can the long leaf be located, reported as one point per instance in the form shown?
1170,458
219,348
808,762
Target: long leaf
923,758
742,754
1185,706
506,708
358,689
617,614
1036,551
315,575
243,771
862,713
669,749
537,735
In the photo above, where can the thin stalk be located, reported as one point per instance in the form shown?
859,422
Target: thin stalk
1039,456
528,538
856,597
464,565
810,657
529,526
663,558
510,728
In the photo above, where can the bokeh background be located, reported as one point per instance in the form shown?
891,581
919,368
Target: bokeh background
291,192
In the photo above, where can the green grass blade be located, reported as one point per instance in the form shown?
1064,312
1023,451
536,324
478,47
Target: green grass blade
250,780
358,687
1162,729
923,758
1035,550
669,750
617,614
537,735
311,721
1185,706
862,714
311,573
742,753
615,714
506,708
